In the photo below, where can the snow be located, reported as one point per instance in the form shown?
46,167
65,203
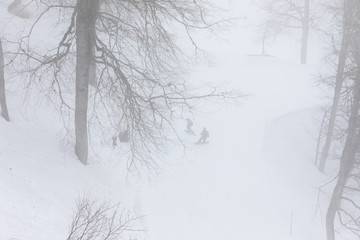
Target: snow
255,179
246,183
256,172
40,183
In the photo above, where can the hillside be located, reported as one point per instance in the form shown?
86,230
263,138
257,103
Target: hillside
254,180
255,173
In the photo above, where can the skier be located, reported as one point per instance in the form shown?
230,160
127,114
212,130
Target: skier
189,124
204,136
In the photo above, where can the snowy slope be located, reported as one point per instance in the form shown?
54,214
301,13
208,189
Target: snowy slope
289,150
242,185
236,187
255,180
40,182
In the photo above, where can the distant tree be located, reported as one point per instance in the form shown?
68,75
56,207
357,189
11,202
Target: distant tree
347,22
288,16
264,37
16,8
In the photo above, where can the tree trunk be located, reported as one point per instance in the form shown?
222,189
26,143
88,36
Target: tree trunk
337,93
92,73
333,207
4,110
305,32
264,38
334,108
346,163
85,40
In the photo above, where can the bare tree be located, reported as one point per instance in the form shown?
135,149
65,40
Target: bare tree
139,85
347,23
100,221
18,10
289,16
351,150
346,163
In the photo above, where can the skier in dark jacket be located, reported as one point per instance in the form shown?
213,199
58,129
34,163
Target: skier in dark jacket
204,136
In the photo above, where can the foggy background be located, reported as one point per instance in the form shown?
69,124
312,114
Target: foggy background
258,175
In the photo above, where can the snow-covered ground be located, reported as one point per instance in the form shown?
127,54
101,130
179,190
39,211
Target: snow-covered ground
255,180
257,172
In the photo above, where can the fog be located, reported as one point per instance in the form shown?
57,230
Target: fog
181,120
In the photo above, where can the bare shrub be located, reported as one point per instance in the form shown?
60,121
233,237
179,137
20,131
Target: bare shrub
101,221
